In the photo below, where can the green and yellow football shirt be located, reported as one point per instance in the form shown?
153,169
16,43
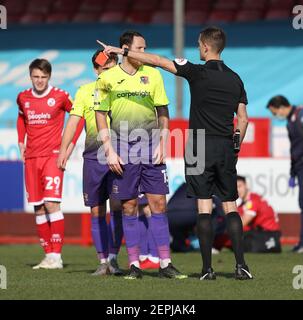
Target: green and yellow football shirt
131,98
83,106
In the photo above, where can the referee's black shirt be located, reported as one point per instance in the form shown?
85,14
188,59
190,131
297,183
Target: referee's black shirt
216,92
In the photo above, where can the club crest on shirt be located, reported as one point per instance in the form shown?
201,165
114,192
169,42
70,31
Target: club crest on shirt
27,104
144,80
51,102
248,205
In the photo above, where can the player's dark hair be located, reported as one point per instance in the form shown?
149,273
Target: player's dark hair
277,102
128,37
241,178
112,56
214,37
41,64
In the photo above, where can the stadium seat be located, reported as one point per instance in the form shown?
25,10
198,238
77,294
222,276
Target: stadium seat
162,17
139,5
118,5
58,18
166,5
65,6
281,4
221,16
32,18
13,18
85,17
277,14
195,17
93,6
139,17
254,4
248,15
112,17
227,4
199,5
15,7
38,6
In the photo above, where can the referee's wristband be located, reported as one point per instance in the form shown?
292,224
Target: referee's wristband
125,52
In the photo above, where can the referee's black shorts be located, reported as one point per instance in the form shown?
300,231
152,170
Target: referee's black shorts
220,175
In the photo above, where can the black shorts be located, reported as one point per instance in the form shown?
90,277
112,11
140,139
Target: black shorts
220,175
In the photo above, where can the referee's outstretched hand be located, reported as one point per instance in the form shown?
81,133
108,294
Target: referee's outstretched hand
110,49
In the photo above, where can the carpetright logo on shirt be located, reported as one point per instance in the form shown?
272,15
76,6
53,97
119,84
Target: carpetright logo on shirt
128,94
38,118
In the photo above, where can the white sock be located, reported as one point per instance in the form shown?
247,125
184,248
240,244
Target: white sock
112,256
164,263
103,260
136,264
142,258
153,259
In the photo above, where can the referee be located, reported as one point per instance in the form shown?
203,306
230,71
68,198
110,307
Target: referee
217,93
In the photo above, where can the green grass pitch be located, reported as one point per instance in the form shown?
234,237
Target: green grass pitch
273,277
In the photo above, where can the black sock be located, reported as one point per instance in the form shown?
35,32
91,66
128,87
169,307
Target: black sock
235,232
206,238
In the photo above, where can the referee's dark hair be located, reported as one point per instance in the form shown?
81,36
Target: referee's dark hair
94,57
214,37
277,102
241,178
128,37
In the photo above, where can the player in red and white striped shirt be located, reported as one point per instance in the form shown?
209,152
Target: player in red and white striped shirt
42,110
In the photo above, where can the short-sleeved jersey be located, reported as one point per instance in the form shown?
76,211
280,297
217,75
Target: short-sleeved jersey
264,217
44,120
216,92
131,98
83,106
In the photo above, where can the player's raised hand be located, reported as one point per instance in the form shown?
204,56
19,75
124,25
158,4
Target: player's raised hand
110,49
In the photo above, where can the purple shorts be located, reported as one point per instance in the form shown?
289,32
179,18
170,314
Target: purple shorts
95,183
150,177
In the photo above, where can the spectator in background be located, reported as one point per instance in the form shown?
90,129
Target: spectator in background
281,108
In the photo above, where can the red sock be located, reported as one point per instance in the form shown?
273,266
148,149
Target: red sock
57,231
44,233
